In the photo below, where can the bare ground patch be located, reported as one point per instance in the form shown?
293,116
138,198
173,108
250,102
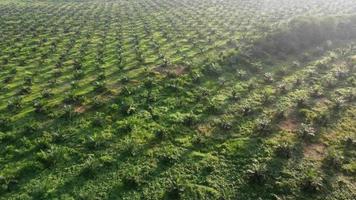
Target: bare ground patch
176,70
205,129
321,101
80,109
353,59
290,124
314,151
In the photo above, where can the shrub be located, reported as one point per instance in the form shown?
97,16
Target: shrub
267,97
78,74
3,184
307,115
28,81
280,114
322,119
46,93
107,160
161,134
246,110
190,120
124,80
5,123
212,69
125,91
256,67
39,107
8,184
7,79
101,76
77,65
14,104
214,107
241,74
90,168
131,182
312,182
7,137
264,126
225,125
32,128
39,192
298,82
175,192
168,158
317,92
196,76
338,103
98,140
235,95
148,83
268,77
24,90
98,102
124,126
47,158
282,88
72,98
57,73
350,142
306,131
100,86
284,150
127,108
68,112
98,119
257,174
5,61
333,160
302,102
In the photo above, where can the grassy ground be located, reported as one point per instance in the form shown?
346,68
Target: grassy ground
162,99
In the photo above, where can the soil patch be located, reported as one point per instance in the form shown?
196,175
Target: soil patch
291,124
80,109
176,70
314,151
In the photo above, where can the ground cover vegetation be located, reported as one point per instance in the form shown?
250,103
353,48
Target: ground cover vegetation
178,99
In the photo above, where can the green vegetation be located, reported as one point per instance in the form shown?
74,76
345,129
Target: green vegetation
178,99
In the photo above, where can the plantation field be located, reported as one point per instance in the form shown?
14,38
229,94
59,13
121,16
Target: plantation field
178,99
